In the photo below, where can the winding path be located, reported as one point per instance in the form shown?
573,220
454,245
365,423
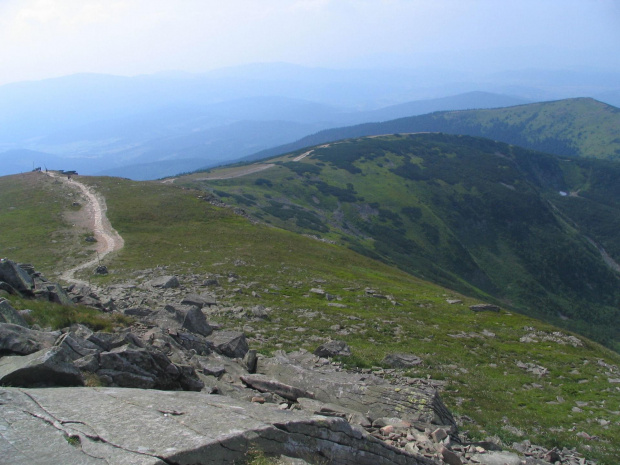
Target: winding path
108,239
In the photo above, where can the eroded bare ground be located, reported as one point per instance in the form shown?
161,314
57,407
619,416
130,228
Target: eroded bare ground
94,218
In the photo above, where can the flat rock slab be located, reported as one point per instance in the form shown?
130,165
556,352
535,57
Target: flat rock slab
115,426
369,395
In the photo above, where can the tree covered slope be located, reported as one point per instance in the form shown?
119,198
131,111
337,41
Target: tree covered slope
534,231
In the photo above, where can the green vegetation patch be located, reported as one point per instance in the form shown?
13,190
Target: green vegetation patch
55,316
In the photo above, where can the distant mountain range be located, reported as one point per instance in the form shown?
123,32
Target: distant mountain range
108,124
580,127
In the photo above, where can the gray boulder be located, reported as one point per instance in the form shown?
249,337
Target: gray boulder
196,322
52,292
138,311
110,341
229,343
19,340
76,346
165,282
16,277
191,342
484,308
47,367
498,458
148,427
333,348
181,317
8,288
9,315
199,300
399,360
130,366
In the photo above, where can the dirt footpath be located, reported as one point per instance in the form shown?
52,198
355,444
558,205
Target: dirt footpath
93,214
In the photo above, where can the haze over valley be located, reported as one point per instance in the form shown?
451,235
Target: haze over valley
143,106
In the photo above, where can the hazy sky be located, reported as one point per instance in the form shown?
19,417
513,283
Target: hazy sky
48,38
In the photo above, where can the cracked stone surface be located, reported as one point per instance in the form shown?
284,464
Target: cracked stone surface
370,395
117,426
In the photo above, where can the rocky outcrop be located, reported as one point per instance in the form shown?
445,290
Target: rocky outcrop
232,344
165,282
19,340
16,277
9,315
23,279
370,395
47,367
180,428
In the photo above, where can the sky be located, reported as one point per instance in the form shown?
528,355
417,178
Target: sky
49,38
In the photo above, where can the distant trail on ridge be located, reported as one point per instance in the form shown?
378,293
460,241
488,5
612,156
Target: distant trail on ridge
108,239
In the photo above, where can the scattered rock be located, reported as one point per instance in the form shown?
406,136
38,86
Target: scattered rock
47,367
165,282
439,435
450,457
16,277
195,321
229,343
19,340
332,349
101,270
400,360
199,300
533,368
498,458
484,308
9,315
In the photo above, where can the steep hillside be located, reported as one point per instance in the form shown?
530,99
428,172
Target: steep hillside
505,375
580,127
481,217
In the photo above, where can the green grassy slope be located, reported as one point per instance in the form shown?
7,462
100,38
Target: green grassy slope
36,222
478,216
580,127
479,355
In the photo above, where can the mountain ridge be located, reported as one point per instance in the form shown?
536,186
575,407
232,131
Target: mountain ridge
573,120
